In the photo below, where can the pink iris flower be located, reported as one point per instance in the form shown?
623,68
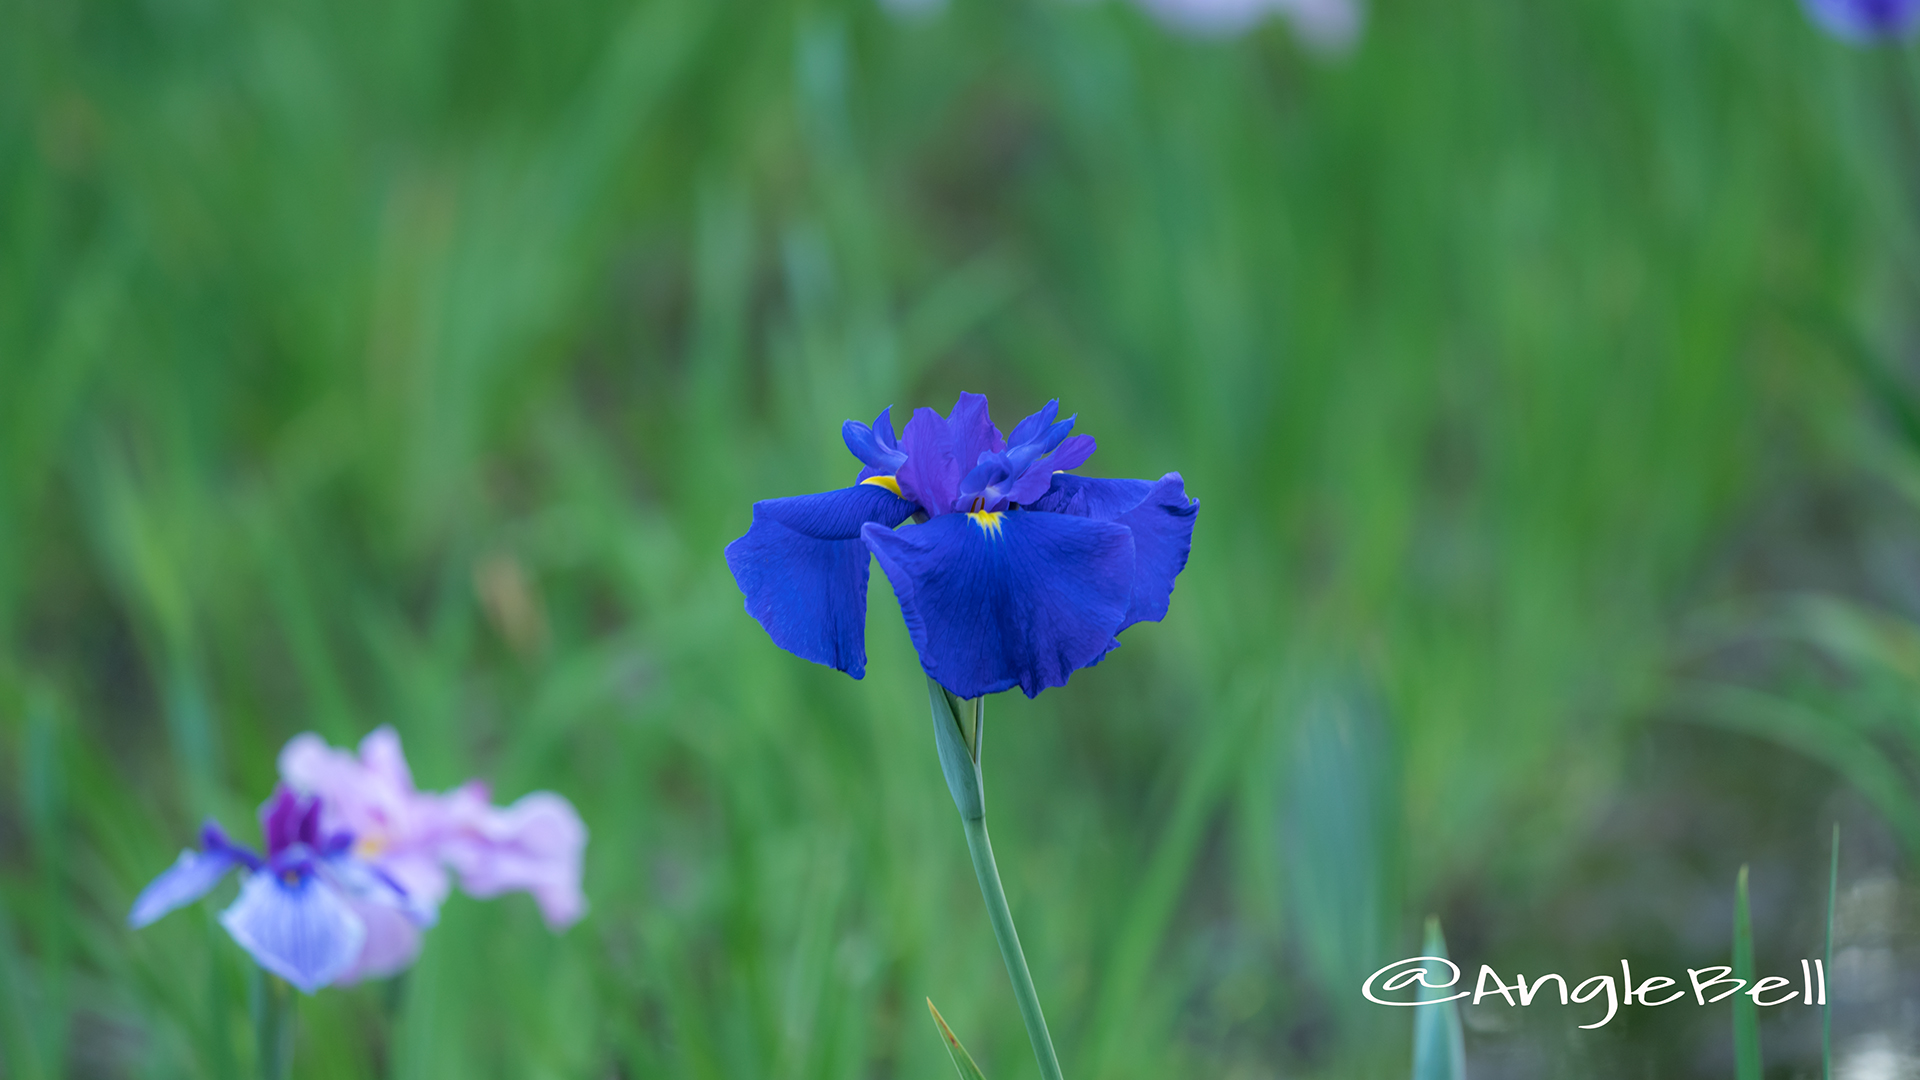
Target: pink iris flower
422,840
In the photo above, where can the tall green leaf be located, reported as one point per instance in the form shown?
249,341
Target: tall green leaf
1826,1007
962,1060
1439,1050
1746,1015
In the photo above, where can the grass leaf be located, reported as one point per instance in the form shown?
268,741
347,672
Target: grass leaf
1746,1015
1826,1008
962,1060
1439,1050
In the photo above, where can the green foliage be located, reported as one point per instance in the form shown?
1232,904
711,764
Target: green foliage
962,1061
1826,1005
1439,1049
1746,1014
411,361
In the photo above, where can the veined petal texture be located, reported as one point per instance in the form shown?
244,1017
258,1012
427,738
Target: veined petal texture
803,569
296,926
994,601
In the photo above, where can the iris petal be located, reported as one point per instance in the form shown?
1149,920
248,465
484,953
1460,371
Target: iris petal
874,446
942,450
281,818
391,945
973,431
1029,429
1162,526
1091,496
803,569
535,845
1014,599
1160,516
190,877
301,930
931,475
1071,454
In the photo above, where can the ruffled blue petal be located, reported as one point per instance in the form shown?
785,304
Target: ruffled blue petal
296,926
1160,516
1162,526
994,601
190,877
803,569
1091,496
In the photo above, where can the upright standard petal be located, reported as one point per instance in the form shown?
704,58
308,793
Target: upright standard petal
941,451
994,601
296,926
1158,513
288,818
804,570
371,796
190,877
875,446
931,475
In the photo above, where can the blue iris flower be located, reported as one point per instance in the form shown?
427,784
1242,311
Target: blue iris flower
1014,571
296,913
1865,21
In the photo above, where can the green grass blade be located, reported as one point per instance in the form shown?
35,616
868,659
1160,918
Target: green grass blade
962,1060
1439,1050
1746,1015
1826,1005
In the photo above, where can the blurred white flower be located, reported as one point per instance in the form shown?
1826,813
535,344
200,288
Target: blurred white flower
1327,25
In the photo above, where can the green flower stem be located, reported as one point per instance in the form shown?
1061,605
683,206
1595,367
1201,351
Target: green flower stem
959,729
983,867
274,1009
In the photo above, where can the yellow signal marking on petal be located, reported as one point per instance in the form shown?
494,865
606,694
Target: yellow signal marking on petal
988,520
370,847
887,482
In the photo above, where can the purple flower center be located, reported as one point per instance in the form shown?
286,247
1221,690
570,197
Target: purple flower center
291,821
960,463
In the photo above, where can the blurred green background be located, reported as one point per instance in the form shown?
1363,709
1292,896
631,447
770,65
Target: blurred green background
411,361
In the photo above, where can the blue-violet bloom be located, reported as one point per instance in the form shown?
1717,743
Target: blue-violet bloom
1865,21
296,913
1015,571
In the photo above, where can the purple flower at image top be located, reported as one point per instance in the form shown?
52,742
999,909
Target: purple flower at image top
1015,571
357,863
1865,21
1330,26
